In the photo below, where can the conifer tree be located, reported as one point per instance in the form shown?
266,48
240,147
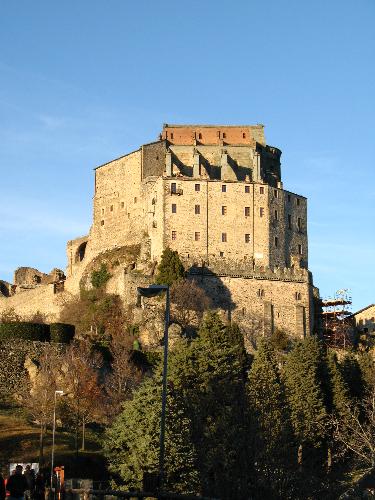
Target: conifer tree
170,269
273,444
132,442
212,377
352,376
303,375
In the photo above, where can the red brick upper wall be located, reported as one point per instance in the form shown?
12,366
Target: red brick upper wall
214,134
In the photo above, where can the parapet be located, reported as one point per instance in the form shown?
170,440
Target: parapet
186,135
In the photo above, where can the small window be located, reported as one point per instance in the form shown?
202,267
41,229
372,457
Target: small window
298,296
135,200
247,211
199,136
224,135
298,202
276,241
173,187
172,135
275,193
102,211
261,211
243,135
122,204
224,237
102,222
289,198
197,236
276,215
247,189
174,235
111,208
197,209
260,292
300,249
223,210
174,208
221,254
261,190
197,187
299,223
224,188
247,238
289,221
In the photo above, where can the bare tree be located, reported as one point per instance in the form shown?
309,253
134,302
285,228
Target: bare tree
355,430
124,375
189,301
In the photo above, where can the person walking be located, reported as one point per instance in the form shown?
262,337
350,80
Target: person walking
2,487
30,478
17,484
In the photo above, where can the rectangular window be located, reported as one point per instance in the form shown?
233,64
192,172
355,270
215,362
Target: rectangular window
197,236
174,208
297,202
224,237
221,254
247,211
276,241
197,209
300,249
224,135
299,223
275,193
172,135
111,208
224,188
102,222
247,189
276,215
122,204
261,211
135,200
247,238
223,210
289,221
174,235
289,198
173,187
197,187
261,190
102,211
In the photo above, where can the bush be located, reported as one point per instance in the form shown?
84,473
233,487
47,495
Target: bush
61,332
25,331
100,278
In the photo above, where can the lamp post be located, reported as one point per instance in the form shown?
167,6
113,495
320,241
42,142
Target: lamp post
153,291
53,433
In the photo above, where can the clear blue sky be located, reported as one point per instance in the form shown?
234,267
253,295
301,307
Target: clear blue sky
82,82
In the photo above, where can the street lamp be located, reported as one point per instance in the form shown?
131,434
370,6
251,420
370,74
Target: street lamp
153,291
53,433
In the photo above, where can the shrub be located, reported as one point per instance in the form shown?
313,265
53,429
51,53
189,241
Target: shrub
61,332
25,331
100,278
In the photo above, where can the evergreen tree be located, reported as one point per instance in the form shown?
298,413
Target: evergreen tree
304,374
339,398
211,374
170,268
367,367
352,375
273,444
132,442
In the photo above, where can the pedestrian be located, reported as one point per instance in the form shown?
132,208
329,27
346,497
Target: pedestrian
30,478
39,487
2,487
17,484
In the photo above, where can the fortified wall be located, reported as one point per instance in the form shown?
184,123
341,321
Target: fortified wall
214,194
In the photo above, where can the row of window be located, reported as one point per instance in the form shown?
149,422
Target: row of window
197,188
223,135
197,211
122,205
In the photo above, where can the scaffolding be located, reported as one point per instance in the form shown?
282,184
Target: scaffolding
337,319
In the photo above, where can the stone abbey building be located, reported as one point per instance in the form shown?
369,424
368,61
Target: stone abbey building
215,194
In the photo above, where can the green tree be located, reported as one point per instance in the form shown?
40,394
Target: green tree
273,441
100,277
132,442
352,375
210,372
170,268
304,373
